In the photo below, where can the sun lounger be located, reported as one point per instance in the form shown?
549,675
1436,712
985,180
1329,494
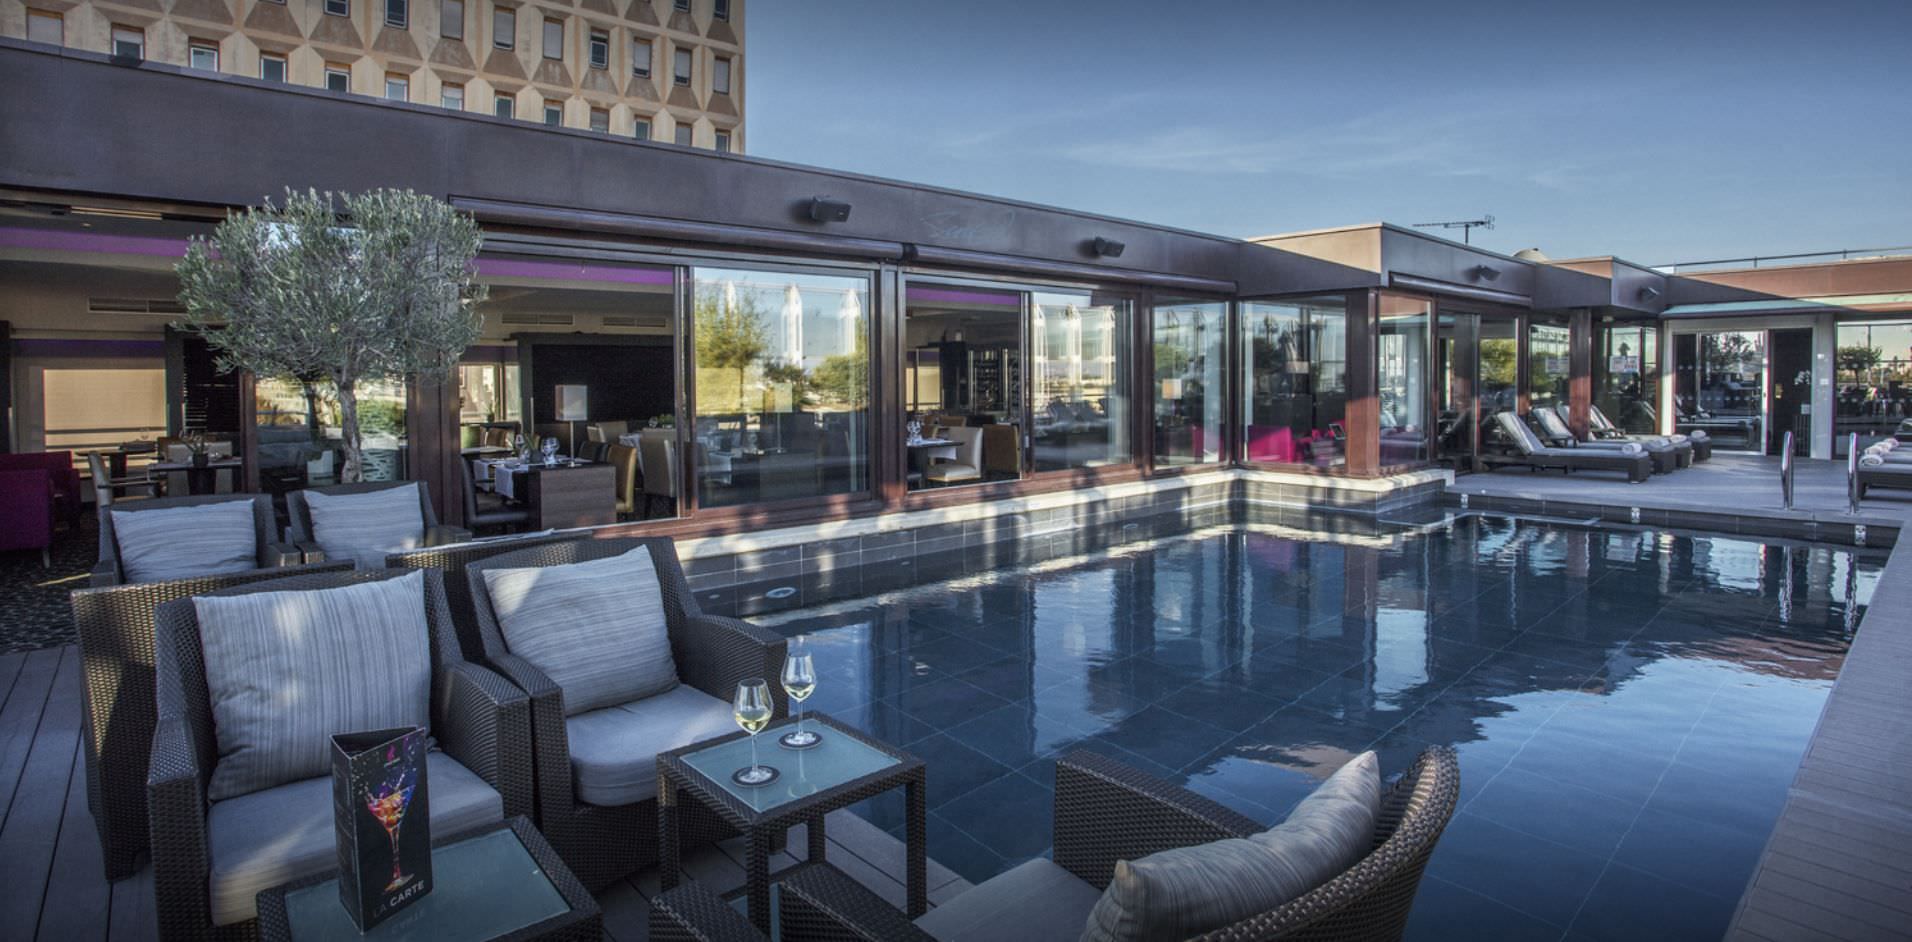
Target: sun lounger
1529,451
1554,431
1697,446
1876,470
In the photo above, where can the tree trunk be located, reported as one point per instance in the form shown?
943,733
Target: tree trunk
353,470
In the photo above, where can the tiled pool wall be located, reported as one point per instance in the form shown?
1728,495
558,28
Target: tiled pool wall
801,572
1768,524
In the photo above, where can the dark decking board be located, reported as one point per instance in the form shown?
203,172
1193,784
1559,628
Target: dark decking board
51,886
1839,862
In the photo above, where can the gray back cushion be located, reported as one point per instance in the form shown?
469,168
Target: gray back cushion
1187,891
596,628
287,670
180,542
365,526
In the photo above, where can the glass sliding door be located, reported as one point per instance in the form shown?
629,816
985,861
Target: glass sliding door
1401,347
1295,370
1189,341
781,407
1873,385
1626,376
1457,371
1079,398
1547,362
962,369
1721,387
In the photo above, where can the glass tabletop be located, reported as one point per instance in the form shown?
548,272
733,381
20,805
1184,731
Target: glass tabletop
838,759
482,888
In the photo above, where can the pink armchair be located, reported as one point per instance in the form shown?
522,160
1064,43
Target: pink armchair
26,503
59,467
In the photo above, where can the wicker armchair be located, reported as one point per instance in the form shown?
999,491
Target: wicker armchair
477,719
713,654
452,560
1105,812
298,529
115,626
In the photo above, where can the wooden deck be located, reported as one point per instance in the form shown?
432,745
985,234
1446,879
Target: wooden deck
50,853
1839,862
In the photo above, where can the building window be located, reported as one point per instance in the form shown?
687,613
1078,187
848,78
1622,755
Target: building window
398,13
338,7
553,113
721,9
451,19
600,120
681,6
201,54
398,87
641,128
641,57
1295,364
338,78
680,67
963,366
1401,378
502,105
722,142
1190,340
50,28
504,28
129,43
553,39
600,49
681,135
452,96
272,67
720,75
798,391
1079,398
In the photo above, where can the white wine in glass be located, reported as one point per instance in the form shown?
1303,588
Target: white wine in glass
753,709
799,681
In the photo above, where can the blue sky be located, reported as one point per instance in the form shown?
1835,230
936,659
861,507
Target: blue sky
1659,132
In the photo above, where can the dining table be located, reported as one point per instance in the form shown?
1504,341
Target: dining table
200,478
563,494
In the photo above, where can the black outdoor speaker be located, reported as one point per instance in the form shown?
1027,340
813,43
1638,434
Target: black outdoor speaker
1107,248
824,209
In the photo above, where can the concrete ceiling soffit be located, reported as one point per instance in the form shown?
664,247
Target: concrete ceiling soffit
452,53
640,11
273,18
397,42
599,6
598,80
332,31
720,31
641,87
720,104
150,6
681,97
504,62
212,11
551,72
685,23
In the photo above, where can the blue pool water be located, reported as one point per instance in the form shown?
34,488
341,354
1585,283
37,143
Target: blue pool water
1629,706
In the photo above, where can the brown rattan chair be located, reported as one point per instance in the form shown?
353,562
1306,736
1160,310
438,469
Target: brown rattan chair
713,654
477,718
114,621
299,525
1105,812
452,560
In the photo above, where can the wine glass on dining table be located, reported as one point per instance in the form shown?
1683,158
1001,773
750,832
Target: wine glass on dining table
799,681
753,709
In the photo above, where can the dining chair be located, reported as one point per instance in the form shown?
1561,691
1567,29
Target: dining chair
107,488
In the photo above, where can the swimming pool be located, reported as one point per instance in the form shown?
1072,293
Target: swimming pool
1629,706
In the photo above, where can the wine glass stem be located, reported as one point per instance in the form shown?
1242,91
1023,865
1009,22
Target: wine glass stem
753,753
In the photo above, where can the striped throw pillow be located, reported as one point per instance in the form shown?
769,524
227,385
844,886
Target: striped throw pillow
365,526
287,670
596,628
182,542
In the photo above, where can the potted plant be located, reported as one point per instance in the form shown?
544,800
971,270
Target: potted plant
344,289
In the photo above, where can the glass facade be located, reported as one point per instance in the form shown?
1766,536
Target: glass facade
1401,377
1547,363
1080,359
1626,375
301,434
781,408
1872,381
1189,341
1720,387
962,369
1295,396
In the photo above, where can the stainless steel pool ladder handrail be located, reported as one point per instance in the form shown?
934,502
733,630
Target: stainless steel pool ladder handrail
1852,474
1786,472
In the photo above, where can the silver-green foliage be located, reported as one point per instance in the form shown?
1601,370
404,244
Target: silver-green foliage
345,288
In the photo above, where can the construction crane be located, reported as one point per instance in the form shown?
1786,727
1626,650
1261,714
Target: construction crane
1466,226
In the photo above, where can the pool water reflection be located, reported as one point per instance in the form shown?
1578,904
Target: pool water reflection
1629,707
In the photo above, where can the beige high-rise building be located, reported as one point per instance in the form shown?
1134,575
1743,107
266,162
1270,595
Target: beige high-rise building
662,70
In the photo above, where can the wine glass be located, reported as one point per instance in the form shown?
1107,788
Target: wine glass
753,710
799,681
550,448
518,445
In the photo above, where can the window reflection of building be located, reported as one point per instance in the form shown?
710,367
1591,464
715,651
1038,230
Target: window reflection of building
1873,381
1189,346
1296,377
1547,366
1401,348
1626,376
1079,392
301,432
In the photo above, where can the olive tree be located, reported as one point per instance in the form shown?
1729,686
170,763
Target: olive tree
345,288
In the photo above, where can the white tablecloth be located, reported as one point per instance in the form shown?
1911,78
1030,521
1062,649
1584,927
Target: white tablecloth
497,471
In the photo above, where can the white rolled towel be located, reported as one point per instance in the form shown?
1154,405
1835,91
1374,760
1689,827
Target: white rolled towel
1872,461
1631,448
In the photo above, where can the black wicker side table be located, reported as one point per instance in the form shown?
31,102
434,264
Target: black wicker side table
500,882
845,768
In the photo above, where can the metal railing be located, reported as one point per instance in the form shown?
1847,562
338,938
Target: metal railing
1786,472
1753,261
1852,474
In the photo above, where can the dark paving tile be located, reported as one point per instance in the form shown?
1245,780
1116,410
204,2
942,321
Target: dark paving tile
1446,911
1628,905
1016,734
954,848
1693,853
1535,876
1168,739
954,769
943,701
1012,816
1558,811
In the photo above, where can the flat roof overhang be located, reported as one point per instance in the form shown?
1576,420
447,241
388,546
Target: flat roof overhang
1850,304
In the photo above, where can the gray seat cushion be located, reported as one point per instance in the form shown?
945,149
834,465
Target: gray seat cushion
286,670
1174,894
267,838
614,750
181,542
1035,901
596,628
366,525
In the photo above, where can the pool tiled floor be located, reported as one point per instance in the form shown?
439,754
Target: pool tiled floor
1628,706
